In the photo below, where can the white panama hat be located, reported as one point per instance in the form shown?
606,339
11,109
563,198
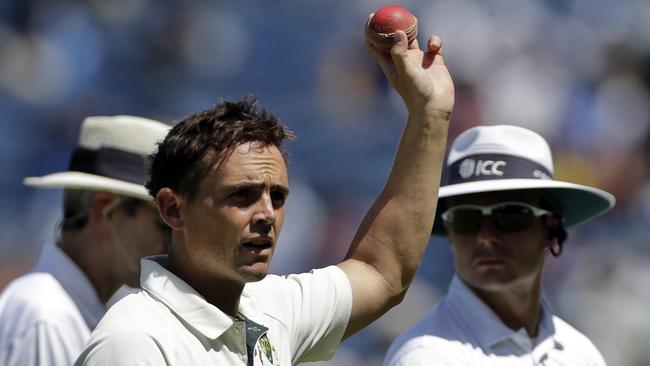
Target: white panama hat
109,157
505,158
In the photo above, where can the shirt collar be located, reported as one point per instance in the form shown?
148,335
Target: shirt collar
74,281
483,322
184,301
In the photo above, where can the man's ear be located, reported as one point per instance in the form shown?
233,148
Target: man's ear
98,211
552,224
169,206
555,234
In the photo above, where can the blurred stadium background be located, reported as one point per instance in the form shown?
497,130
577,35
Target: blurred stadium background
576,71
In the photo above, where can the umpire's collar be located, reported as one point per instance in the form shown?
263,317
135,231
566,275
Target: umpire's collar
486,326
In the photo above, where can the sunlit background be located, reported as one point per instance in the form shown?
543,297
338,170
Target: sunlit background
576,71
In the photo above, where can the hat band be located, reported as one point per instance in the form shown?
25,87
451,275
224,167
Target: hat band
494,166
111,163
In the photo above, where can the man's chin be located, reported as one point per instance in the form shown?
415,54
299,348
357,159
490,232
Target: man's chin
255,273
491,281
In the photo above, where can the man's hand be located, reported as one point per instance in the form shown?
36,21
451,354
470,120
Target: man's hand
421,78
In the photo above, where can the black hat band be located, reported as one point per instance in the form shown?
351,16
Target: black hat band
110,163
492,167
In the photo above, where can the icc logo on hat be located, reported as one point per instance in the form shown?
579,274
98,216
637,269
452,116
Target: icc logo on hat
466,168
469,167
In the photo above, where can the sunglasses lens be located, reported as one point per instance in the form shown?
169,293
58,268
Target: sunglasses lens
465,220
511,218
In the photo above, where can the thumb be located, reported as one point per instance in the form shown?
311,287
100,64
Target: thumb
399,50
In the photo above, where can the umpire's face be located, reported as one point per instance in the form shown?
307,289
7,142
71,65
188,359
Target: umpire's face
503,251
232,225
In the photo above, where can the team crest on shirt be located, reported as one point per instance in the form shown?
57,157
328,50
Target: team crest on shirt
265,353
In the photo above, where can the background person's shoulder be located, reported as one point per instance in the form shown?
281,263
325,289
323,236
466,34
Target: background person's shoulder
572,340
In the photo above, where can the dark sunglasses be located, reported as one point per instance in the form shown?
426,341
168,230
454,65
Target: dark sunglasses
508,217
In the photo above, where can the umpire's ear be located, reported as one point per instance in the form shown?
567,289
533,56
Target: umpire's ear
552,224
169,206
99,211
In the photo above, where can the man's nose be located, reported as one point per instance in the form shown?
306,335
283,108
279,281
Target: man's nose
264,210
487,233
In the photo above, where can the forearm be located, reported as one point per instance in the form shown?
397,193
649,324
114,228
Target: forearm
388,247
395,231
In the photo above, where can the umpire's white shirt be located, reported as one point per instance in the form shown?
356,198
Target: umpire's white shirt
462,330
285,320
46,316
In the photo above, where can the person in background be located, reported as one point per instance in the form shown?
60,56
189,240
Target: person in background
220,182
109,223
503,213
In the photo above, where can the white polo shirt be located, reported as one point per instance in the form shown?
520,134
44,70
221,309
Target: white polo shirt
46,316
462,330
283,321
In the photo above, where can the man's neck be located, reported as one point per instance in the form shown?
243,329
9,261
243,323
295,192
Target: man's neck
222,293
516,307
84,251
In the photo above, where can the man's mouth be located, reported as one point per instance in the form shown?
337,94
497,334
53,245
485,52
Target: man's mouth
490,260
258,244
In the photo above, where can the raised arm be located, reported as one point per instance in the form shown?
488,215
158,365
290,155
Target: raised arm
388,246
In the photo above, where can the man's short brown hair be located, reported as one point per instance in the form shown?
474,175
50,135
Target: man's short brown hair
203,139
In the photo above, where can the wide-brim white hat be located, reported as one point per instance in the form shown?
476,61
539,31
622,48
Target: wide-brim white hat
110,156
506,158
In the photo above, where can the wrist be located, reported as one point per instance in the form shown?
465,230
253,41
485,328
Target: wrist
433,113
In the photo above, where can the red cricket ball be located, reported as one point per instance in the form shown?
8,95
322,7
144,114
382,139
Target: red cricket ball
386,21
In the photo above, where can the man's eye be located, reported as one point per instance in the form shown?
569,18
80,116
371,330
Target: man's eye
242,194
278,198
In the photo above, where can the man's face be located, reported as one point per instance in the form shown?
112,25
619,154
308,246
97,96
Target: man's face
493,260
139,233
233,222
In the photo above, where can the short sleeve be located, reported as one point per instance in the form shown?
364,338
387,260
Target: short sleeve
315,307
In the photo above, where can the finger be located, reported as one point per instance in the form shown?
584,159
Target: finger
399,51
434,49
435,44
414,45
382,58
